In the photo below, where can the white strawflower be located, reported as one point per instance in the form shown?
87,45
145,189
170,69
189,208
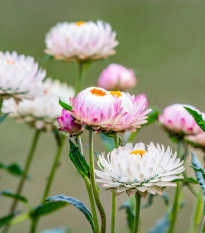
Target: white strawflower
42,112
81,41
139,169
20,76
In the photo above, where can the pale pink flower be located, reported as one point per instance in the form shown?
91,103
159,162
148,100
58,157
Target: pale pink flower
81,41
68,125
176,119
117,77
197,140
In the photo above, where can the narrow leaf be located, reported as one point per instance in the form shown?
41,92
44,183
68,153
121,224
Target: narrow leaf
65,106
6,219
76,203
152,116
197,117
161,226
18,197
187,180
3,117
108,141
78,159
12,168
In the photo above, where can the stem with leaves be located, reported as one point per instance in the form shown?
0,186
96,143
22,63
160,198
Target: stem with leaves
53,169
175,207
94,186
137,213
25,173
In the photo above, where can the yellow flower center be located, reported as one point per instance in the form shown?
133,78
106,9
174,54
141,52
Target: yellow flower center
10,62
136,152
117,93
97,92
79,23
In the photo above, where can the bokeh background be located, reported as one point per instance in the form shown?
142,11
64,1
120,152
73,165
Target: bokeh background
164,41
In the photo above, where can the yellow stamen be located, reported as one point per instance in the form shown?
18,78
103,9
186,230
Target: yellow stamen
98,92
117,93
136,152
9,62
79,23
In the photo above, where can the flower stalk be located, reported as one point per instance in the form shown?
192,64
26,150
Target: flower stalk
137,213
93,183
1,103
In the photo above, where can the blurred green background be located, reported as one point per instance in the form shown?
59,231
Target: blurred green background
164,41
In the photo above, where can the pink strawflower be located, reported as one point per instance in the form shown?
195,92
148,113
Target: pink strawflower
176,119
68,125
109,111
197,140
117,77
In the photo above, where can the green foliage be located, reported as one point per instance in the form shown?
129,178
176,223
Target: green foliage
12,168
6,219
187,180
128,206
3,117
151,199
18,197
76,203
200,173
108,141
65,106
197,117
47,57
57,230
161,225
78,159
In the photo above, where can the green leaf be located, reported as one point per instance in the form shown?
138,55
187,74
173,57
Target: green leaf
18,197
6,219
197,117
57,230
12,168
108,141
78,159
47,208
161,225
187,180
65,106
151,199
200,174
128,206
3,117
152,116
47,57
76,203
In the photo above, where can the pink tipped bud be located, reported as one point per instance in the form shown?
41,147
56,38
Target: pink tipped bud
67,124
117,77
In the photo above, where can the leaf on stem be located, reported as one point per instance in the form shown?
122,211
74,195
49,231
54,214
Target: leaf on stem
65,106
161,225
76,203
108,141
3,117
78,159
12,168
18,197
6,219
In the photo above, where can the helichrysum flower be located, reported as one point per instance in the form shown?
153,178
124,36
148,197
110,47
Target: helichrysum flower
42,112
176,119
20,76
68,125
139,168
117,77
81,41
197,140
109,111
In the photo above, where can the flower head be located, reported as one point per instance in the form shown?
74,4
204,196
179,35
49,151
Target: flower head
68,125
197,140
81,41
177,120
42,112
117,77
139,168
109,111
20,77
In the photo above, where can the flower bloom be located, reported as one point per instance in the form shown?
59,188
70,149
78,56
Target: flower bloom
81,41
176,119
68,125
42,112
139,168
109,111
20,76
197,140
117,77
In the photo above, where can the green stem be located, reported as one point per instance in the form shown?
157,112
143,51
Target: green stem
53,169
137,213
1,103
198,212
33,226
80,79
203,226
93,183
25,173
79,143
116,142
175,207
92,204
